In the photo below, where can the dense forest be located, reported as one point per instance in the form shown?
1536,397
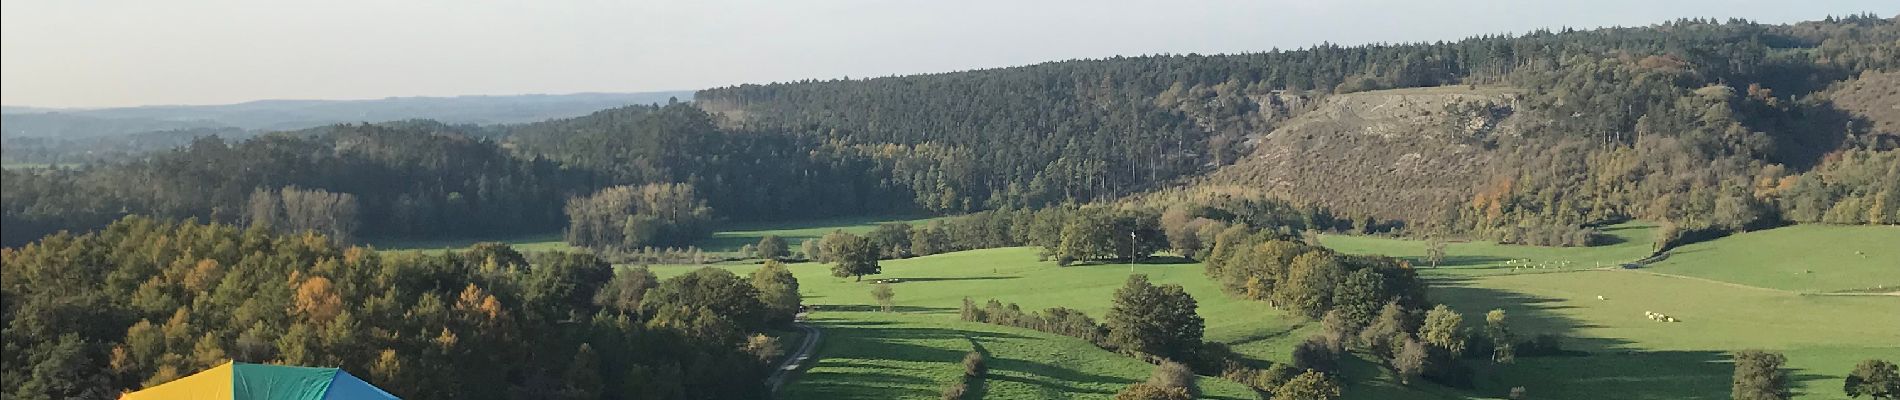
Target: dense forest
406,179
1674,122
144,301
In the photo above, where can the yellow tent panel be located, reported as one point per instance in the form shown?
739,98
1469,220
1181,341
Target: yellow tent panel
210,384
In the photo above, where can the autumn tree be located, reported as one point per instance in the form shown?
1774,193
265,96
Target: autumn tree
883,294
778,290
1874,378
626,289
1760,375
850,255
772,247
1503,341
630,217
1311,279
1151,319
1444,330
709,303
1410,359
1309,385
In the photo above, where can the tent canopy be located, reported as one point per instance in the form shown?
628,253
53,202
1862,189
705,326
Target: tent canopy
246,381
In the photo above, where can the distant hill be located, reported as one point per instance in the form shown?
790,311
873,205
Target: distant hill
269,115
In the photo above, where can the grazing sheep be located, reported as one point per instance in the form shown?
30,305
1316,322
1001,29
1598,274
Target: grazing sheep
1600,297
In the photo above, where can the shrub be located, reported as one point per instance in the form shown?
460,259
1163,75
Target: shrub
955,391
1542,345
973,365
1172,374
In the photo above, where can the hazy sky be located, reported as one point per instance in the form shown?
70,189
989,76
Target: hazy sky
133,52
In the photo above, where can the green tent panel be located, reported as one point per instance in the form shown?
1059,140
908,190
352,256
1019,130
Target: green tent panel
245,381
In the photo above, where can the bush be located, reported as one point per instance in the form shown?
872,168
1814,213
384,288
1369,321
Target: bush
1542,345
1147,391
1172,374
955,391
1316,353
973,365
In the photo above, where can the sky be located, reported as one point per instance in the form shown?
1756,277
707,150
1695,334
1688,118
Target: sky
106,53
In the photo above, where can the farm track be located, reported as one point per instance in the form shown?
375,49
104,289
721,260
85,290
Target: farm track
797,360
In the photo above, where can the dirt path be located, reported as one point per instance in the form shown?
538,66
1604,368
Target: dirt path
797,360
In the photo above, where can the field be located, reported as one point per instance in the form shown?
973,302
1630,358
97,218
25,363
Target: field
795,232
1801,258
1629,356
1823,336
915,351
1617,352
1631,242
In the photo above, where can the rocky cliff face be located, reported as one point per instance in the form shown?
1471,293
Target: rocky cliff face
1874,99
1403,154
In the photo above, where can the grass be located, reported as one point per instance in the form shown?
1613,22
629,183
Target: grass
914,352
1823,336
1629,242
1626,355
912,355
796,232
1802,258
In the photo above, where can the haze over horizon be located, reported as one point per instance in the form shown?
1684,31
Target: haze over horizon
111,53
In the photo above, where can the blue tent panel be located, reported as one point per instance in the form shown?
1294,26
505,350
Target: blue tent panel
347,387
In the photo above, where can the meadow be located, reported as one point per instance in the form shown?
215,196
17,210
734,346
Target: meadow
1800,258
1628,242
1616,351
914,351
1743,298
1740,298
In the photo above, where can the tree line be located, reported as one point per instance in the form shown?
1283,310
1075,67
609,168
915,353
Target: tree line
411,179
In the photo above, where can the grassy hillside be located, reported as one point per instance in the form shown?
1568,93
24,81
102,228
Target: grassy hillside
1802,258
1823,336
1630,356
912,350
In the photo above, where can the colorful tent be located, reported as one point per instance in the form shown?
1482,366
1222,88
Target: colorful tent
246,381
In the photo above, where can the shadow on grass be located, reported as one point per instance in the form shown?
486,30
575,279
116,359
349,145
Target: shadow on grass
980,387
1590,367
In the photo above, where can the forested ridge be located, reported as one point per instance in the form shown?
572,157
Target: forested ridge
1709,125
1672,122
405,179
